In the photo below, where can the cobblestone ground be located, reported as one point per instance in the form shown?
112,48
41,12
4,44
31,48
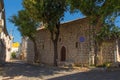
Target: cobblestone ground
21,71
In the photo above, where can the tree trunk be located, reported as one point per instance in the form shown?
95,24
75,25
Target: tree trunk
55,53
92,47
54,38
96,53
36,56
101,55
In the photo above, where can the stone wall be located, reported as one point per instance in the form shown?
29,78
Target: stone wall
108,49
27,50
74,45
2,52
8,42
70,34
77,51
45,47
107,52
30,51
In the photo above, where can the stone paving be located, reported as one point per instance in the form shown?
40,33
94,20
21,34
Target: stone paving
21,71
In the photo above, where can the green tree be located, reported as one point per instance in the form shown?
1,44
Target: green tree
27,26
50,12
97,11
110,32
13,55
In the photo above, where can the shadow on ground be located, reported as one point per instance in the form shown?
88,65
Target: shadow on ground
91,75
12,70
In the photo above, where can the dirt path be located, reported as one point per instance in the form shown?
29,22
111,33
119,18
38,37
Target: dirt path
18,70
21,71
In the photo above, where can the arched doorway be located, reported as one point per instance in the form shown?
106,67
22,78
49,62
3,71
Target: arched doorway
63,54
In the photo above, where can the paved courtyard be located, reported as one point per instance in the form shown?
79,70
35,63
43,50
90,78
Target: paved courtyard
21,71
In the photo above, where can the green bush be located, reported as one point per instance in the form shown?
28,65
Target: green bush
107,65
13,54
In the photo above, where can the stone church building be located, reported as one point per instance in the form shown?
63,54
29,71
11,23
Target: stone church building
74,45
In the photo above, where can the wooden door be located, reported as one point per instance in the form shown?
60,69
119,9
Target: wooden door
63,54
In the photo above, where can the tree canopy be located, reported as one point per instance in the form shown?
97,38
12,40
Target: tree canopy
95,7
26,25
101,13
96,10
49,12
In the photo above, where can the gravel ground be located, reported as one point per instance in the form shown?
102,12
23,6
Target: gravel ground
21,71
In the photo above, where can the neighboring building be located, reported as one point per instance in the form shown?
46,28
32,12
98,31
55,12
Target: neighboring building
5,39
75,45
22,48
15,48
27,50
8,41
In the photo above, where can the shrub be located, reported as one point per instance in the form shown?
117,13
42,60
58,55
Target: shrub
107,65
13,54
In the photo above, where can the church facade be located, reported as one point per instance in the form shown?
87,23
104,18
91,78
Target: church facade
75,45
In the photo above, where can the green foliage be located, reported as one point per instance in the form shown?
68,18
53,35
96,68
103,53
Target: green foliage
13,55
96,8
50,12
107,65
108,32
87,7
101,13
26,25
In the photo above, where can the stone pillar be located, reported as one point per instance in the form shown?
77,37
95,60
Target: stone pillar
116,52
91,58
100,57
92,46
0,15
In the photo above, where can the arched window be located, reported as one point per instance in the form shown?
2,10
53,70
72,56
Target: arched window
76,44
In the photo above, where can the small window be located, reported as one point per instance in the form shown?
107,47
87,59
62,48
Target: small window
76,44
59,39
43,46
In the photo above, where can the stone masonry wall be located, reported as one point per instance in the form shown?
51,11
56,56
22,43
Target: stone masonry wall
70,34
45,47
75,39
29,51
76,51
108,49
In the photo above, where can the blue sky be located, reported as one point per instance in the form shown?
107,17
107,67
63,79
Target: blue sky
117,21
13,6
